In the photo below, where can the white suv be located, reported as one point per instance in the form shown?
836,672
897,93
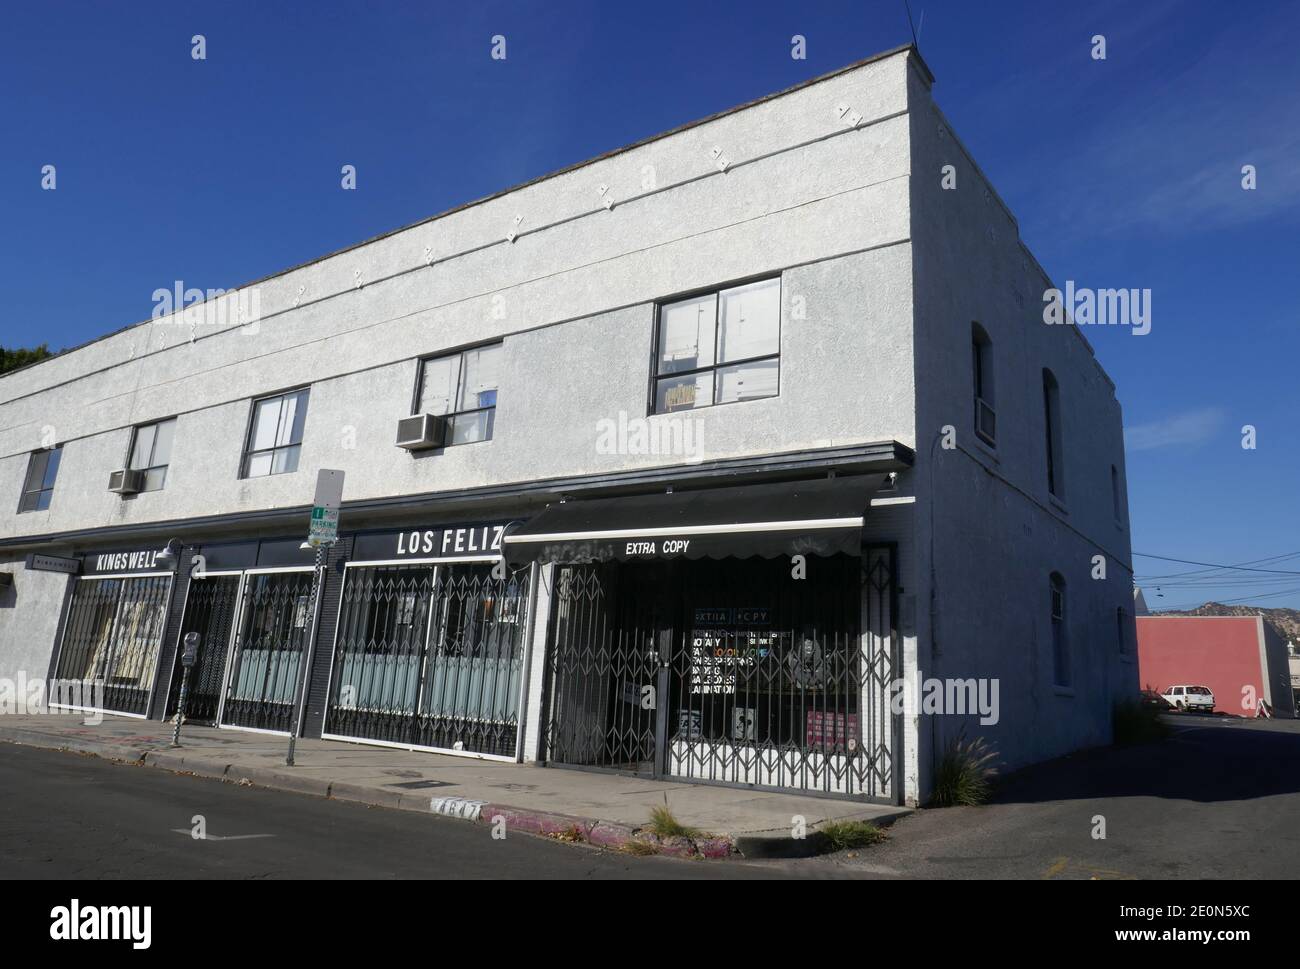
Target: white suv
1190,697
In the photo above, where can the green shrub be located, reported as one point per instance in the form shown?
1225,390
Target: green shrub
665,825
843,835
964,774
1136,723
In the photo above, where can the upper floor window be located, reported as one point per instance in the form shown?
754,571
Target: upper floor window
1060,637
1117,500
1052,419
38,486
982,370
463,388
719,348
275,435
151,452
1121,630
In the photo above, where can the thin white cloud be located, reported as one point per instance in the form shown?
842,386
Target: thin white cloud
1180,430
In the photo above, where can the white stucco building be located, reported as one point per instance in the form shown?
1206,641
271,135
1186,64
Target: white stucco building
728,431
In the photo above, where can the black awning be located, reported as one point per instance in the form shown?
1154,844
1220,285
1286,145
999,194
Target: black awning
820,517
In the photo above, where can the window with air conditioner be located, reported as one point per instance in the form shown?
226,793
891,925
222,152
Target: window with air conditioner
718,348
459,391
151,454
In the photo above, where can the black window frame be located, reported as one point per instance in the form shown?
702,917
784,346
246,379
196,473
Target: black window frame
717,291
1059,616
130,451
450,416
44,489
982,368
1054,435
249,453
1115,496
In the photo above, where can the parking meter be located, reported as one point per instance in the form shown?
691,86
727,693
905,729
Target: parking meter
189,656
190,650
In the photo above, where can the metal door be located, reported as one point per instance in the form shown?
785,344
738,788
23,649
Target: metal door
210,609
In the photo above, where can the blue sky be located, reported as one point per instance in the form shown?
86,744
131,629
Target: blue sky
1122,173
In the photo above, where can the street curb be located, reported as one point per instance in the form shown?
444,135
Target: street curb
120,752
562,827
179,762
816,843
279,780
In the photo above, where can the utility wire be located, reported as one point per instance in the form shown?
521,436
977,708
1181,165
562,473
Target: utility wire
1212,565
1272,559
1224,602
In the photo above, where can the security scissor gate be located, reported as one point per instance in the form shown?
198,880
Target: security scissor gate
431,657
211,608
728,671
269,650
110,642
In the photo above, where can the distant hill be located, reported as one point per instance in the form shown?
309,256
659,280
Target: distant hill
1285,622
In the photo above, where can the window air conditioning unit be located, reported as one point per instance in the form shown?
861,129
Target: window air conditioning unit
986,422
422,431
126,482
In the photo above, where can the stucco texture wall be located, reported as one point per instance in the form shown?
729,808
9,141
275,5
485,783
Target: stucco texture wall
989,532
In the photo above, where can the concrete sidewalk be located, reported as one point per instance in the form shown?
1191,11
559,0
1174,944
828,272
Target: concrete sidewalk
603,809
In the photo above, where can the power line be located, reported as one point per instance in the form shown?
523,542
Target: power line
1224,602
1272,559
1213,565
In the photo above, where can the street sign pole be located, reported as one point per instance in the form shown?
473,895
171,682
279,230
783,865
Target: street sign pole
322,533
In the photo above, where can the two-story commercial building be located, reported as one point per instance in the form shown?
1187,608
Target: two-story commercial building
696,460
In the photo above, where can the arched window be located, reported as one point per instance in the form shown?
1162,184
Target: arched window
1052,419
982,371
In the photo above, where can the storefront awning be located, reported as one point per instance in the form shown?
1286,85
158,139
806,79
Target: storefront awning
820,517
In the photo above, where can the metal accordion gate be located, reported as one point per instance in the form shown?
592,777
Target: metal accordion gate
109,652
727,671
430,657
267,656
211,609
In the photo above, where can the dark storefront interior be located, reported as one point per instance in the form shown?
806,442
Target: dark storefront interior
725,670
738,635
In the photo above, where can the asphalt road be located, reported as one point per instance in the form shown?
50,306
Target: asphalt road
72,816
1218,799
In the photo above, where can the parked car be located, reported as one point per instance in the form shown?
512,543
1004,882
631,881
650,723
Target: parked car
1150,698
1190,697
